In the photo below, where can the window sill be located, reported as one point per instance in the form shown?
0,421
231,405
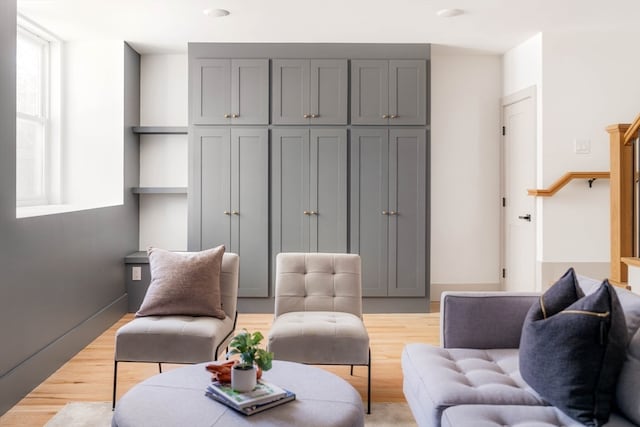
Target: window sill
33,211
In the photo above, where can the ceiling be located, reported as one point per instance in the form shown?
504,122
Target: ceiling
165,26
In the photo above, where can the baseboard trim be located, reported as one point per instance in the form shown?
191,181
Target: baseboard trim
438,288
23,378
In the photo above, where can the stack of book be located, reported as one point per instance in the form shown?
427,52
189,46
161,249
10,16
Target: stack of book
264,396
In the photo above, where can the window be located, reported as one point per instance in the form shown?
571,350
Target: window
32,127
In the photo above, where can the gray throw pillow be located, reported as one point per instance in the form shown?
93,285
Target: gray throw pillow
186,283
572,349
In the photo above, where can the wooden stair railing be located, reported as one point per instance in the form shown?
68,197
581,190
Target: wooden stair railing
621,138
565,179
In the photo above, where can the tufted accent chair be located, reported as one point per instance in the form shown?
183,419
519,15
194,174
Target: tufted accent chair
181,339
318,312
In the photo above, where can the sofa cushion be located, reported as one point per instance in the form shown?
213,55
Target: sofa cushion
437,378
516,415
186,283
572,349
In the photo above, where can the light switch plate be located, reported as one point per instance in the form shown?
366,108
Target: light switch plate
582,146
136,273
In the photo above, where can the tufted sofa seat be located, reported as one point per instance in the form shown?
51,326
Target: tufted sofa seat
473,378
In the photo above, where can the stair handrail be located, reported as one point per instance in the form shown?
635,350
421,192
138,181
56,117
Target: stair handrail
632,132
565,179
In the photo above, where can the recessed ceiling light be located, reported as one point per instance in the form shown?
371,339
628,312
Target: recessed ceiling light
218,13
449,13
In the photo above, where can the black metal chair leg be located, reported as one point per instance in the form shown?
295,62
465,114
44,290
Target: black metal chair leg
160,367
115,378
369,384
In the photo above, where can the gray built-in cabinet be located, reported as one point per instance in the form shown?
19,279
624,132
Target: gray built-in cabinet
230,170
312,148
229,92
388,209
388,92
312,92
308,190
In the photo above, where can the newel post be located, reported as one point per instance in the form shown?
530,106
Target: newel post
621,181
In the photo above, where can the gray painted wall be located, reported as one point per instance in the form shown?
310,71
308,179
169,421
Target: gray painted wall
61,276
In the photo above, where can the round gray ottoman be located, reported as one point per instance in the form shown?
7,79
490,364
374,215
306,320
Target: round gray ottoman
176,398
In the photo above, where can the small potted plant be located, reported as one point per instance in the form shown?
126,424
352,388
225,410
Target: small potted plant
244,373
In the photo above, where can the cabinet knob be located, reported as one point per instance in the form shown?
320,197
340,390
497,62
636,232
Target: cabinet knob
393,116
393,213
226,213
306,212
306,116
313,213
385,116
235,116
226,116
235,213
315,116
385,213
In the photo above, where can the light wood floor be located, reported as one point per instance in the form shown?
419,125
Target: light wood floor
89,375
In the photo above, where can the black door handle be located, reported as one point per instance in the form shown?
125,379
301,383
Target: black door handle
526,217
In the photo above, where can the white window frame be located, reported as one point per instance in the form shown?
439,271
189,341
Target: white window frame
49,115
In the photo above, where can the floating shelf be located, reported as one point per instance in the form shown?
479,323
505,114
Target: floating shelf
159,190
161,130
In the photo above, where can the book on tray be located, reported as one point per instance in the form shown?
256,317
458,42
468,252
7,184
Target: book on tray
264,396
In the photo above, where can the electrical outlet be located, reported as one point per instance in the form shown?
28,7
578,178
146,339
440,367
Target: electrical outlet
136,273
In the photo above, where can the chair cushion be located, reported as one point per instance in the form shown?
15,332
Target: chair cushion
515,415
318,282
171,339
185,283
573,347
436,378
320,337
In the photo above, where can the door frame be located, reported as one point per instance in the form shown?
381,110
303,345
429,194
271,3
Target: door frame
529,92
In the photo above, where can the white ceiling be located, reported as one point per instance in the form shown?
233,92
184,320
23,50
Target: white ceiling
163,26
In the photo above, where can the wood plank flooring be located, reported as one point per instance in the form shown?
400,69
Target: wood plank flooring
88,376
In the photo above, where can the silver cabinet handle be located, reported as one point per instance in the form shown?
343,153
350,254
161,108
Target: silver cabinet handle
315,116
385,116
306,116
393,116
313,213
226,116
235,116
306,212
235,213
385,213
226,213
393,213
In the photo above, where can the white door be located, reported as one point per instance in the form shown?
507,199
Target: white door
519,217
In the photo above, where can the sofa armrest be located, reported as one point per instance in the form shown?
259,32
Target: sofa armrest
483,320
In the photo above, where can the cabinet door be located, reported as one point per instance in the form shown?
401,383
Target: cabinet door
250,91
369,92
289,191
210,92
328,92
290,94
215,184
249,209
369,206
407,92
407,198
328,190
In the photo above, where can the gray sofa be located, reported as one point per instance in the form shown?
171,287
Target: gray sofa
473,378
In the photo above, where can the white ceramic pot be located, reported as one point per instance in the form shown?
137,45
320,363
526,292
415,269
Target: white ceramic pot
243,379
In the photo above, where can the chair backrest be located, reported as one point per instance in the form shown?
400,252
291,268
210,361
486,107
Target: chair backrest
318,282
229,283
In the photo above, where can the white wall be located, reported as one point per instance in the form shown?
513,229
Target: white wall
93,123
163,158
466,87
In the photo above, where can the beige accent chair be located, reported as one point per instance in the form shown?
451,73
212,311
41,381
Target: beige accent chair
318,312
181,339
